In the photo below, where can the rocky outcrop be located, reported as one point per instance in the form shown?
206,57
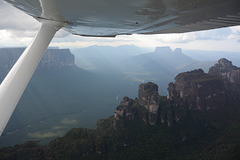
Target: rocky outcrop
193,90
199,90
146,106
149,98
171,91
222,66
229,73
125,110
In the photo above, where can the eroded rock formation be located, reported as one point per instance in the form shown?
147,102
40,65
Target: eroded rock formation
193,90
146,106
199,90
229,73
149,98
125,110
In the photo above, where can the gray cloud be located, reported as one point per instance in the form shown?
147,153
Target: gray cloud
15,20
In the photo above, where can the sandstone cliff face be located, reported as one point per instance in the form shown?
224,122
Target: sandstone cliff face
193,90
229,73
149,98
7,59
126,110
146,106
201,91
54,58
57,58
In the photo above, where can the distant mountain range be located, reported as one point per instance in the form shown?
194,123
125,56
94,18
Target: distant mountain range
138,64
101,57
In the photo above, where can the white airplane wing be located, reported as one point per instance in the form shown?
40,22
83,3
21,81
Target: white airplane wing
107,18
116,17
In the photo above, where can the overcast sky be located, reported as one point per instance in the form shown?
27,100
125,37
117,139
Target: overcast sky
18,29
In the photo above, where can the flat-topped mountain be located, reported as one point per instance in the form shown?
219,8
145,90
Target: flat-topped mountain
53,58
57,58
136,64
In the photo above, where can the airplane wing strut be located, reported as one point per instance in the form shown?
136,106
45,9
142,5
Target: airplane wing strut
17,79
